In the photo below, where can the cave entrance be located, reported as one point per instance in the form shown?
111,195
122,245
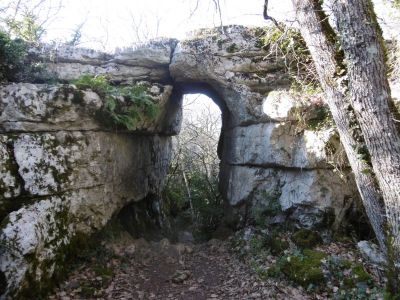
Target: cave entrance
192,186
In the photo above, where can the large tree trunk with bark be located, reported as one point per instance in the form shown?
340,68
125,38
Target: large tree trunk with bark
369,91
320,39
358,94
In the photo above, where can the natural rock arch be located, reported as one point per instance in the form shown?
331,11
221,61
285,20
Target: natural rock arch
64,173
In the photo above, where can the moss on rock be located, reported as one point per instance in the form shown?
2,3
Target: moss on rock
277,245
305,238
305,269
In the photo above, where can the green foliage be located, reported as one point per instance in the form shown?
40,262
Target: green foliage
206,208
261,272
174,194
126,105
13,53
256,244
256,252
360,274
206,204
313,268
348,273
26,28
351,280
317,271
305,238
98,84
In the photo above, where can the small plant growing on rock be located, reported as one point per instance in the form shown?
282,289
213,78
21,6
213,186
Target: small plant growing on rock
287,44
126,105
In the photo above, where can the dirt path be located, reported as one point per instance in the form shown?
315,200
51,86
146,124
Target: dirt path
137,269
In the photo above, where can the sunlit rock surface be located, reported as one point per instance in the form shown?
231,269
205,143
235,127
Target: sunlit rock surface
147,62
276,146
65,170
44,107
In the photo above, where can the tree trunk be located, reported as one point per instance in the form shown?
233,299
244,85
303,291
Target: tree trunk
189,194
362,43
320,39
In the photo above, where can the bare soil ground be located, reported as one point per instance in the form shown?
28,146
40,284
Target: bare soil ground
138,269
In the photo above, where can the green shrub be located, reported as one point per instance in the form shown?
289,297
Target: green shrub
274,272
13,53
98,84
360,275
262,273
206,208
256,244
126,106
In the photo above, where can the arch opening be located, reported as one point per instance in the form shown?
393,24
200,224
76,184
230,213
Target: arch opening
192,187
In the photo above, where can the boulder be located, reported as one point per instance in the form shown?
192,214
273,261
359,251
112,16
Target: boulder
372,253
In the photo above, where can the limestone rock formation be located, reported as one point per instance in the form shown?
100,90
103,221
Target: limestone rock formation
65,170
64,173
149,62
43,107
268,151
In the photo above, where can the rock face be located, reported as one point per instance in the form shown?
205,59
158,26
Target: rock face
276,148
64,171
66,63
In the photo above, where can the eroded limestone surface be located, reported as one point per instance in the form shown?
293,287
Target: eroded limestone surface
65,170
72,184
64,173
276,146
